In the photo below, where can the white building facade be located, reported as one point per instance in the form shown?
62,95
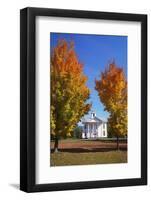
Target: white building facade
94,127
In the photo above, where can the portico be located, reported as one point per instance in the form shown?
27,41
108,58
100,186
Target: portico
94,127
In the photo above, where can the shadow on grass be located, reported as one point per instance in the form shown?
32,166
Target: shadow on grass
88,150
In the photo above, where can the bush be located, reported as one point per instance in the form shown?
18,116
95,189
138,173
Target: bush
78,132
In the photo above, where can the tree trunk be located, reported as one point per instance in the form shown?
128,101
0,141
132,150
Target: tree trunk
56,145
117,144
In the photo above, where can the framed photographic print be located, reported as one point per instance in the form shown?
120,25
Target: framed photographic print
83,99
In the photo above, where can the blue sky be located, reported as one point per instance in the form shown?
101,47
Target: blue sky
95,52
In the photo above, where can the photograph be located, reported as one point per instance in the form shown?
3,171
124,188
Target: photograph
83,99
88,99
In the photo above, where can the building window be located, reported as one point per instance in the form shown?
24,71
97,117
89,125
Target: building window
103,133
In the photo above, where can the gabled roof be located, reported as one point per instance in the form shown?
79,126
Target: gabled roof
92,119
89,120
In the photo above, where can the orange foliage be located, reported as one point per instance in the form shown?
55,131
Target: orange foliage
68,89
112,90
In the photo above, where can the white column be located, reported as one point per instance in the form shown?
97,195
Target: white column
83,132
106,129
101,129
89,130
93,130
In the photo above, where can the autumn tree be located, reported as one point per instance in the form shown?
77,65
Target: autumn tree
69,92
112,90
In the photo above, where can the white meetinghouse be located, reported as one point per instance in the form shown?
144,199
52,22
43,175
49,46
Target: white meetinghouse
94,127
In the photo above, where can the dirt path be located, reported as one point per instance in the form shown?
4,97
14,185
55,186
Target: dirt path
85,146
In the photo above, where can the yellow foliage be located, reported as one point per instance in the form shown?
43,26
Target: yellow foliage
68,89
112,90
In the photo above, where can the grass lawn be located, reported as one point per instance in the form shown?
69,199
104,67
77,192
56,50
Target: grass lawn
65,158
84,152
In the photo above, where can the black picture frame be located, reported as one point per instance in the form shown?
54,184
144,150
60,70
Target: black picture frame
28,98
